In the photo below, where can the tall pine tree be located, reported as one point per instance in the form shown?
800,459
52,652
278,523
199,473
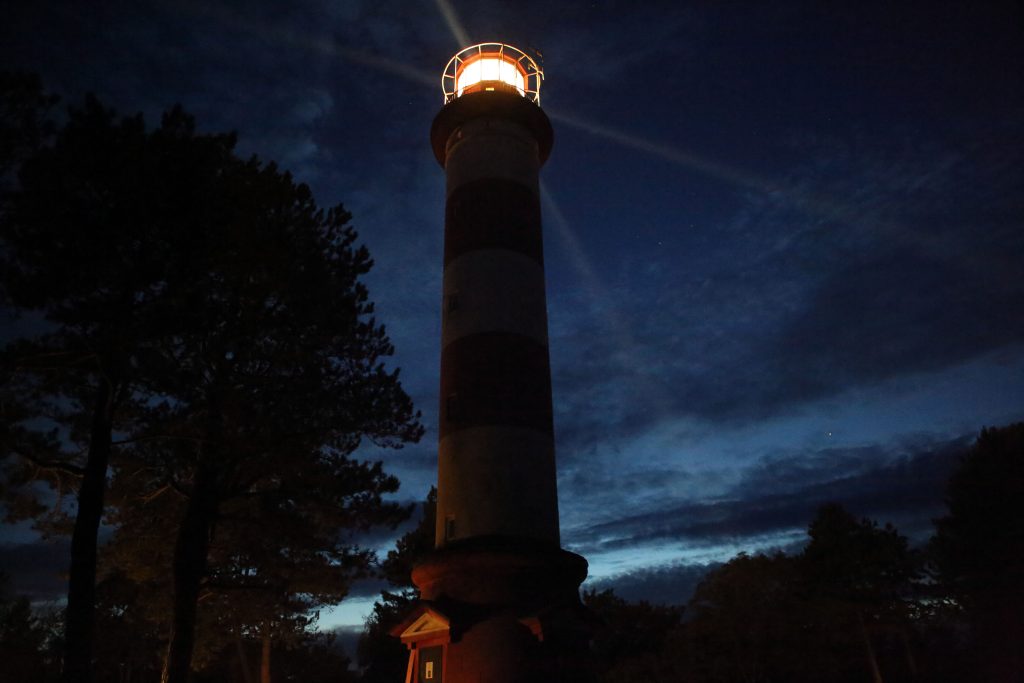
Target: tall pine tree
90,235
205,310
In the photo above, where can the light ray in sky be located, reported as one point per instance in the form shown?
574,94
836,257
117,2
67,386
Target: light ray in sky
676,156
602,301
572,245
389,66
816,205
454,25
289,39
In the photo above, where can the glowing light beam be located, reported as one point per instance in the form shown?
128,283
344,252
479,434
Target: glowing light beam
676,156
816,205
454,25
628,356
290,40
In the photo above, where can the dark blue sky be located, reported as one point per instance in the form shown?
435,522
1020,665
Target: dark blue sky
784,240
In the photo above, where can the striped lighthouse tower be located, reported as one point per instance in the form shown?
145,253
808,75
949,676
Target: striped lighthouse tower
496,472
500,598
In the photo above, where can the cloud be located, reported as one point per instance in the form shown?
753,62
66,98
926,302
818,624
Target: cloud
861,268
671,585
902,483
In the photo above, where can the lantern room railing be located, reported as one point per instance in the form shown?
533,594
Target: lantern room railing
492,66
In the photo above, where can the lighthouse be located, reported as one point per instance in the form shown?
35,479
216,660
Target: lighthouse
499,596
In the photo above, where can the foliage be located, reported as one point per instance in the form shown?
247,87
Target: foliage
747,621
131,646
205,310
315,658
978,548
630,636
853,605
382,657
857,561
275,376
86,251
821,615
29,642
979,545
24,121
412,546
861,579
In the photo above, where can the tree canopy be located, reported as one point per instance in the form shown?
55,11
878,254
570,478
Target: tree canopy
381,657
978,548
205,336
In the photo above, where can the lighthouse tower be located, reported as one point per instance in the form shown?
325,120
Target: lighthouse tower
500,599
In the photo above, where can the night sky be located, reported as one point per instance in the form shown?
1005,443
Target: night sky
783,240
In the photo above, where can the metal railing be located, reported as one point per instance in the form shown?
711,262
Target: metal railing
528,68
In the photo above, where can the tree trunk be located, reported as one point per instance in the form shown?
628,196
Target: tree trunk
909,653
265,659
189,568
869,651
243,660
79,625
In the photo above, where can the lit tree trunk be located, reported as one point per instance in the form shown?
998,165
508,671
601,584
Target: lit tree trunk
189,568
265,659
79,626
909,652
869,651
240,647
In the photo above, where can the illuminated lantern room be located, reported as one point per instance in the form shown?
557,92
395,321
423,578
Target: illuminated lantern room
492,66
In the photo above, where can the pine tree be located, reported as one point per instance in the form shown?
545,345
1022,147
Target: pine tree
978,549
381,656
88,245
205,310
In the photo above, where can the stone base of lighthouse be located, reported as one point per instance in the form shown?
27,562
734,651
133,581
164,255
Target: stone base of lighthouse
499,610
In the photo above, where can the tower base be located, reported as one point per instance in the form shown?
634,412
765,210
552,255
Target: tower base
502,610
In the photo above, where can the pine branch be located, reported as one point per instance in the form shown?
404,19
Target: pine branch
158,437
66,468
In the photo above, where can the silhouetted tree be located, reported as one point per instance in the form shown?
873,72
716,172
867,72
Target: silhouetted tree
276,381
315,658
29,642
24,122
817,616
978,549
92,238
204,307
412,546
132,643
862,576
630,639
748,623
275,386
382,657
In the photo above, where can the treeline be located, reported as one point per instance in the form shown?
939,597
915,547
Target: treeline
196,363
858,604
